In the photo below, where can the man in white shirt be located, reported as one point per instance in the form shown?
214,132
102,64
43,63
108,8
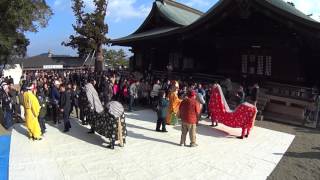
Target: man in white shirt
133,94
155,93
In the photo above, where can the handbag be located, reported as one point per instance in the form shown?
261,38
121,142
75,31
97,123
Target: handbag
174,119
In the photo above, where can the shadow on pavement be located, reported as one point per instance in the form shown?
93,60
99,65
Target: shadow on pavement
206,130
139,127
143,137
316,148
80,132
302,155
21,129
136,115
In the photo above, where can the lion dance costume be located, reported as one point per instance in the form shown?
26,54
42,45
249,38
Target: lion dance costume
242,117
109,122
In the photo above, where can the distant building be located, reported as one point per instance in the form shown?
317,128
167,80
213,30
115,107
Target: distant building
50,61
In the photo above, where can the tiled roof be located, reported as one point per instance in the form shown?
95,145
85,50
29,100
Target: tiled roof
289,8
146,34
184,17
177,14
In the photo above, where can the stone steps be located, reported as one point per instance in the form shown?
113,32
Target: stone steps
287,119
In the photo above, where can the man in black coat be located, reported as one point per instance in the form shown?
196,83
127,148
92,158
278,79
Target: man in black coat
83,105
65,106
55,96
13,93
255,94
107,93
75,99
7,109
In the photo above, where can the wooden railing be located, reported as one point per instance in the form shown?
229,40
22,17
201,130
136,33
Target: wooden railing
292,104
189,76
290,91
281,102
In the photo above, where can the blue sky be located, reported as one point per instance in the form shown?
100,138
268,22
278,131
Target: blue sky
123,18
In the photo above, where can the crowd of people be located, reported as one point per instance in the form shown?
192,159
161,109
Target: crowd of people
53,95
46,95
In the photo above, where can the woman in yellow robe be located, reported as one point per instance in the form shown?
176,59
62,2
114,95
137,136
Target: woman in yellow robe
174,103
32,110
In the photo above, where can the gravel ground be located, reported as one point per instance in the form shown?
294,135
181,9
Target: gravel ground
302,160
2,130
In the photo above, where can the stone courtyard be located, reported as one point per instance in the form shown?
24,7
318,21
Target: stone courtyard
147,154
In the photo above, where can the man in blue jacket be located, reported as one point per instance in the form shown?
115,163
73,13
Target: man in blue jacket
162,110
55,96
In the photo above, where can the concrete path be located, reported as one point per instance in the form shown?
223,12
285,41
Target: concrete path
147,154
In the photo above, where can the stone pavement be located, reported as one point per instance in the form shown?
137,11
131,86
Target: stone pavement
147,154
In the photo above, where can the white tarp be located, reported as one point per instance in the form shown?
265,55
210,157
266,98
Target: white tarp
14,70
52,66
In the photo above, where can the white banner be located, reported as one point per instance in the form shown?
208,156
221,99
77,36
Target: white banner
52,66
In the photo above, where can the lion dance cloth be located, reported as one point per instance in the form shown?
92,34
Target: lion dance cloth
242,117
109,122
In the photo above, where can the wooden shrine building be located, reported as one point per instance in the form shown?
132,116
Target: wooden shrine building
265,41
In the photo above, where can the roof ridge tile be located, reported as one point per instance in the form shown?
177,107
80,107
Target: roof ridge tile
182,6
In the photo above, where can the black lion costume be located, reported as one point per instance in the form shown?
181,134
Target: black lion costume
108,122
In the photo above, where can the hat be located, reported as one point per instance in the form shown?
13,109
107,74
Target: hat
191,93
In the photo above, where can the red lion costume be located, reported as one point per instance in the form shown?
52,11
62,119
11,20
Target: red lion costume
242,117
